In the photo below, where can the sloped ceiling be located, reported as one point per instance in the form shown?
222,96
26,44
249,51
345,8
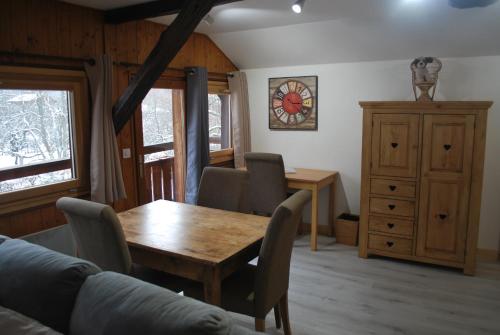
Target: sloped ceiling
266,33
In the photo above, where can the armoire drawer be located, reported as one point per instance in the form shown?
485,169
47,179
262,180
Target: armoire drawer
398,188
391,225
392,207
397,245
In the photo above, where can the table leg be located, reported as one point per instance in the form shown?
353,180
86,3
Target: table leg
331,210
212,287
314,218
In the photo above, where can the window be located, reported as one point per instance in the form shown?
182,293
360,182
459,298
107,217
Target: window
157,124
219,126
42,148
35,141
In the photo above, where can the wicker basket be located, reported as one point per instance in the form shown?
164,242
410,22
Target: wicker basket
346,229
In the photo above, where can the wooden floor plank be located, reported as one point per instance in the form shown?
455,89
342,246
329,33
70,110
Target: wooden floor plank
333,291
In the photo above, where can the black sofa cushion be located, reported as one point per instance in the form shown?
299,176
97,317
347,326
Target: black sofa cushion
3,238
111,303
14,323
40,283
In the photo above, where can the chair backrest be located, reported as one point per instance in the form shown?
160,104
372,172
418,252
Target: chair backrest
268,184
273,267
98,234
224,188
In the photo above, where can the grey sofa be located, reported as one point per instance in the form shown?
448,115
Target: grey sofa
43,292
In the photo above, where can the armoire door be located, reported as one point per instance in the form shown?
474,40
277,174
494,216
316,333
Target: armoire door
395,145
447,150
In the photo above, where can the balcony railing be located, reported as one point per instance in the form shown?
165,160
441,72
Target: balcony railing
159,174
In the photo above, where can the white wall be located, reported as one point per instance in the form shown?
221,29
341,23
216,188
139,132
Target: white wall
337,143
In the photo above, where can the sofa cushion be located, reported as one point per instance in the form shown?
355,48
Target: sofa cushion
3,238
40,283
111,303
12,322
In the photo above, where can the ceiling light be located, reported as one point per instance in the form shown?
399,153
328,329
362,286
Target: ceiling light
298,5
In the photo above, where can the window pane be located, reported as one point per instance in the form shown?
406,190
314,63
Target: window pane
218,122
35,129
157,124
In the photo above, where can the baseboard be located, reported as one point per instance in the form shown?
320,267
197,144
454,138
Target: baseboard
487,255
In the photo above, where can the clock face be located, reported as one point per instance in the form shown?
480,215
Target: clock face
292,102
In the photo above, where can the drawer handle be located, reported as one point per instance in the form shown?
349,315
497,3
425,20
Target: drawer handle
391,207
390,225
443,216
394,144
389,244
447,147
392,187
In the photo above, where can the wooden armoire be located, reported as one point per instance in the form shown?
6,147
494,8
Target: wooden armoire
422,175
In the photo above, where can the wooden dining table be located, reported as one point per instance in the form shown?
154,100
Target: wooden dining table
198,243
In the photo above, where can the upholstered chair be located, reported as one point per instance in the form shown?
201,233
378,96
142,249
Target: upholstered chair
225,189
255,290
100,239
268,186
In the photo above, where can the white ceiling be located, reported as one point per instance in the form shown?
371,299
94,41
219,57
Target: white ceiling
266,33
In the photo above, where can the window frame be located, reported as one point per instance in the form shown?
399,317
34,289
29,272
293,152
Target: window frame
223,155
53,79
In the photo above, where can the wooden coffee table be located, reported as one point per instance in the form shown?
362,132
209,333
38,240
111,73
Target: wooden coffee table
193,242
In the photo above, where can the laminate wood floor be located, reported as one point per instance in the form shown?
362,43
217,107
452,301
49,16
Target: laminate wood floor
334,292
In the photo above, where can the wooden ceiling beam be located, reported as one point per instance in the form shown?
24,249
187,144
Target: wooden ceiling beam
170,42
149,10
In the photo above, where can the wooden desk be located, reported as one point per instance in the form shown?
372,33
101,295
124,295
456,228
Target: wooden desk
315,180
198,243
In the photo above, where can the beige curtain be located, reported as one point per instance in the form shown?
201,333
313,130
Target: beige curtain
240,117
106,181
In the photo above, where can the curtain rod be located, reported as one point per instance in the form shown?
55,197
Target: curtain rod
89,60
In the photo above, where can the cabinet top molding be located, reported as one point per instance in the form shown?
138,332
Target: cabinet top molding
433,105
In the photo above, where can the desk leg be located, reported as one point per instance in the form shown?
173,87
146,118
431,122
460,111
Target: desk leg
314,218
212,287
331,210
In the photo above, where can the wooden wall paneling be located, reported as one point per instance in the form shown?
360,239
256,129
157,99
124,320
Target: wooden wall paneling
63,30
77,31
51,27
6,225
20,35
185,55
110,43
201,56
5,26
38,22
125,139
147,35
126,36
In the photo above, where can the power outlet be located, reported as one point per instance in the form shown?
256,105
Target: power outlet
126,153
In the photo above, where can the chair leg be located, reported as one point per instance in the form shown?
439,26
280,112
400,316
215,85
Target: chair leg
284,314
277,316
260,325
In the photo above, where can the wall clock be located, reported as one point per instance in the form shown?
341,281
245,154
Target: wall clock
293,103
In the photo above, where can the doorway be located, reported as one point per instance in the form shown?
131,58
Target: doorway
159,143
